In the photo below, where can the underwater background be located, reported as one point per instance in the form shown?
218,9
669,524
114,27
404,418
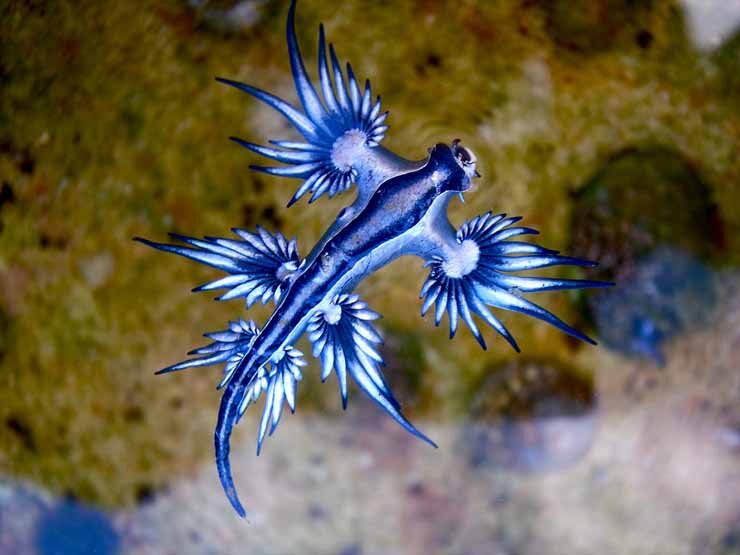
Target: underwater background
612,126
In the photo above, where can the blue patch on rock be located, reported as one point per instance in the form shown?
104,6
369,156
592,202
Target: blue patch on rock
73,528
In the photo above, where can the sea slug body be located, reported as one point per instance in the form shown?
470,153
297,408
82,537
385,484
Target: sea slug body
400,209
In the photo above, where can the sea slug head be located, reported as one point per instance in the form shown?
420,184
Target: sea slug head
454,167
465,159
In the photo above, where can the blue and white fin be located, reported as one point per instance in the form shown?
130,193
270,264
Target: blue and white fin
228,347
338,125
260,265
279,381
345,341
479,275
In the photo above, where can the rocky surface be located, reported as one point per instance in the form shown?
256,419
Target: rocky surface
111,126
657,474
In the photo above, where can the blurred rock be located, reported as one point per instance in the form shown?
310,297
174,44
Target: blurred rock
111,126
97,268
532,416
667,292
73,528
228,16
405,366
648,218
723,541
727,59
639,200
711,22
5,331
590,26
431,515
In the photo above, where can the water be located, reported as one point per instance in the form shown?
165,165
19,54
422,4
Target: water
611,125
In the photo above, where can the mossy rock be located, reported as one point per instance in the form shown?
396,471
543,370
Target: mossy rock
727,59
530,415
405,366
228,17
111,126
649,219
668,293
591,26
643,198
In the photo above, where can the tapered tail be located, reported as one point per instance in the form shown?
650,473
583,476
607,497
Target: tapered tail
278,380
228,414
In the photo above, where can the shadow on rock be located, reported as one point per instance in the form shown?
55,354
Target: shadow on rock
530,416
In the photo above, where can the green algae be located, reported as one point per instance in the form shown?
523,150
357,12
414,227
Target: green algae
520,412
618,218
516,391
406,367
111,126
592,26
727,60
228,17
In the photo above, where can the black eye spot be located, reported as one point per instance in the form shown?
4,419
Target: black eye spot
463,154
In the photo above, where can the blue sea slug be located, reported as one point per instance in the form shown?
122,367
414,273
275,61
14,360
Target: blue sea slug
400,209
